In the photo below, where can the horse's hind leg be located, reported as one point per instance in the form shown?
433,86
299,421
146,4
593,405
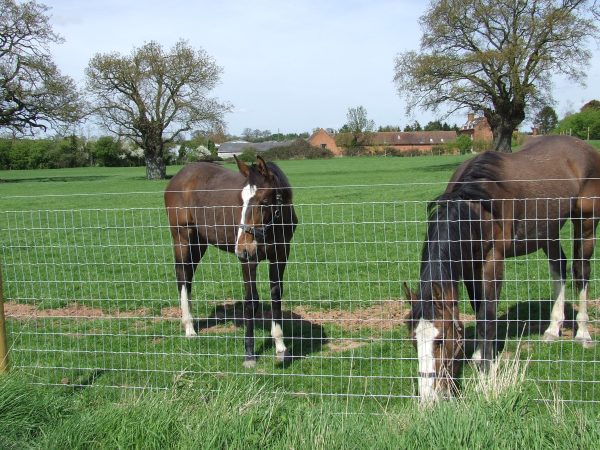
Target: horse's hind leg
584,234
188,253
558,270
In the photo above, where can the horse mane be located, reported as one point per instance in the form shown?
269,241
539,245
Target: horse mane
450,230
281,182
472,183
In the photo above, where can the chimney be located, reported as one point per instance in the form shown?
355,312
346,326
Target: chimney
470,117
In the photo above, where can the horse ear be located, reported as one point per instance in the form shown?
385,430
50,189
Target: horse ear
242,166
262,167
410,295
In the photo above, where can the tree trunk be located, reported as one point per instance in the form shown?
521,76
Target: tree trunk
153,154
155,167
502,139
504,120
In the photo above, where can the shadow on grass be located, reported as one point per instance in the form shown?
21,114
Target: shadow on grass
302,337
440,167
523,320
85,380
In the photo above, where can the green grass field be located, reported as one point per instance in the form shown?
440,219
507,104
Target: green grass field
93,246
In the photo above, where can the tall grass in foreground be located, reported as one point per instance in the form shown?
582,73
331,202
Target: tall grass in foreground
242,415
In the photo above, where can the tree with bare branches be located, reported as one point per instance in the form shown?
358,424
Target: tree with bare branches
153,96
34,95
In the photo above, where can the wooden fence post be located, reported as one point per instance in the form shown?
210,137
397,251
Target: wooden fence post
3,345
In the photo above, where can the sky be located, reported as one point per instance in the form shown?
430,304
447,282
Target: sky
288,66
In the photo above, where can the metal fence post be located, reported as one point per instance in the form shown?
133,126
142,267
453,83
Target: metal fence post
3,345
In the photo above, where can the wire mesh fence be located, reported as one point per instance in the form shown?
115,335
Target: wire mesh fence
91,299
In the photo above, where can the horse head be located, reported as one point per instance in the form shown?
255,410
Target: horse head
437,334
261,208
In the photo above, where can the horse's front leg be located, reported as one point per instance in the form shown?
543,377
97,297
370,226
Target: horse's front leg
493,270
250,311
276,270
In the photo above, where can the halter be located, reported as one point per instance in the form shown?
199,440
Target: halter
259,232
428,375
457,350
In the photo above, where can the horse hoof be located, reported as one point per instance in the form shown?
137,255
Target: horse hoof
283,356
585,342
249,363
549,337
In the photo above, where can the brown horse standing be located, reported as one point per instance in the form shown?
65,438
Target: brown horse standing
498,206
249,213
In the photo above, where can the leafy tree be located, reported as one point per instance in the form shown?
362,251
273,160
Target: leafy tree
247,134
359,125
153,96
248,155
389,128
433,125
546,119
496,56
584,124
65,153
592,104
415,126
464,144
33,93
108,152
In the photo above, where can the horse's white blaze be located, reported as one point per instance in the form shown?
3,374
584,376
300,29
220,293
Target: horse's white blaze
583,333
476,355
248,192
186,316
557,316
277,335
425,334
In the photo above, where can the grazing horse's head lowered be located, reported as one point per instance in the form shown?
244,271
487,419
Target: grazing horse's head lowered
262,203
436,332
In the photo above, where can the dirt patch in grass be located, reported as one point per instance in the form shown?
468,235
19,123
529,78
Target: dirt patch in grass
342,345
380,316
383,315
71,311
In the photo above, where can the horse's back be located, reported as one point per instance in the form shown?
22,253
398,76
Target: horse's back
202,184
558,157
545,167
202,195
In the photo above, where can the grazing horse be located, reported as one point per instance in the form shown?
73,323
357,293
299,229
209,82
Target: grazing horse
498,206
249,213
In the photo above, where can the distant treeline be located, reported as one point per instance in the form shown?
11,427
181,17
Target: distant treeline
72,151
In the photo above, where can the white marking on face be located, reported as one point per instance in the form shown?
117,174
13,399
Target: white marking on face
277,335
248,194
476,355
425,334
